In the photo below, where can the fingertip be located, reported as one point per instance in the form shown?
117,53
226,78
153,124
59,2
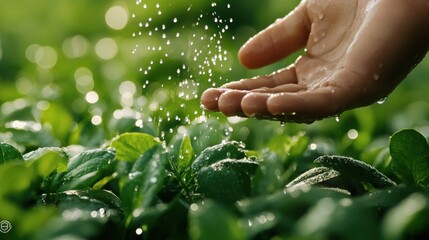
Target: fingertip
246,55
254,104
284,104
210,98
229,102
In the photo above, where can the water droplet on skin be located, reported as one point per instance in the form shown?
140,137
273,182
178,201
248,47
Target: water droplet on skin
376,76
337,118
315,39
382,101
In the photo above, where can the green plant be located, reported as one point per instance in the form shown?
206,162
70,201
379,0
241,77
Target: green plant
135,187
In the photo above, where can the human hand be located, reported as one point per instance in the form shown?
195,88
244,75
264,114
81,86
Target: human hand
357,52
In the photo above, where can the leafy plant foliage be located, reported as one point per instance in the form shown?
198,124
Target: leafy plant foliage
137,188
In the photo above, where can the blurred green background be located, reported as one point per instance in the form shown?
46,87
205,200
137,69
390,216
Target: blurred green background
80,72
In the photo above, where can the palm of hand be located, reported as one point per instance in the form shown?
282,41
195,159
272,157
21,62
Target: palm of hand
356,53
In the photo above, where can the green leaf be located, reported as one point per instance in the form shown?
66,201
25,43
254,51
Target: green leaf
269,176
210,221
407,217
15,178
289,146
227,180
85,169
142,185
47,160
258,223
186,154
30,134
97,199
226,150
313,176
84,213
9,153
59,120
332,218
130,146
356,170
410,157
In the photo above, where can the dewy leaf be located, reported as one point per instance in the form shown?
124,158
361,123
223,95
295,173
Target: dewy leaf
48,159
89,161
86,169
227,180
86,204
9,153
314,176
186,154
130,146
141,187
213,154
357,170
410,156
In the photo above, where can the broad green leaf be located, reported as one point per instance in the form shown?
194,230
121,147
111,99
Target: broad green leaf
259,223
289,146
47,160
213,154
34,219
227,180
410,156
186,154
85,169
9,153
332,218
356,170
291,201
142,185
89,161
85,199
269,176
210,221
59,120
313,176
130,146
15,178
84,213
30,134
407,217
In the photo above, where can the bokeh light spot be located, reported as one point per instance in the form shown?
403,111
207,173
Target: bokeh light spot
116,17
106,48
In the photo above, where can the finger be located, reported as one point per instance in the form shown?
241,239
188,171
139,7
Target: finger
210,98
255,104
315,104
282,89
229,102
278,40
281,77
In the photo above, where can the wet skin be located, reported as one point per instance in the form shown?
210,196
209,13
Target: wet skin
357,52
